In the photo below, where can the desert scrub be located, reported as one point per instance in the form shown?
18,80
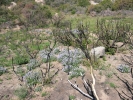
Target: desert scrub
111,32
32,78
33,63
21,93
71,61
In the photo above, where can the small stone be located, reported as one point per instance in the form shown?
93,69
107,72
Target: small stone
107,90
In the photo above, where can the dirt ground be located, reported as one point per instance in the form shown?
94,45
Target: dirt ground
61,89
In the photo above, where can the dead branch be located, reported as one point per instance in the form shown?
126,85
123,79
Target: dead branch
46,74
13,67
76,87
123,95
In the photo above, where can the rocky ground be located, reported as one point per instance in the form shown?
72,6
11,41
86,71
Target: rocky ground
60,89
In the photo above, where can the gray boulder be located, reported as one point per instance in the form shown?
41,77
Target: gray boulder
98,51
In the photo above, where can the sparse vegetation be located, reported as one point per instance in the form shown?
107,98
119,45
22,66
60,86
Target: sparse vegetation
43,45
44,94
22,93
112,85
71,97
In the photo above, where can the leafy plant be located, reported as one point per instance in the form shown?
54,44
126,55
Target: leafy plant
110,51
71,97
44,94
19,60
83,3
1,80
112,85
123,4
106,4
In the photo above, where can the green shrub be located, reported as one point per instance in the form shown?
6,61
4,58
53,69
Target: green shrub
63,7
46,45
31,14
123,4
73,11
48,14
97,8
83,3
71,97
106,4
112,85
110,51
20,60
112,32
6,15
44,94
1,80
5,2
90,8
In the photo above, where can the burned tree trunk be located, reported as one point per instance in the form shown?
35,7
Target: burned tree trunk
79,40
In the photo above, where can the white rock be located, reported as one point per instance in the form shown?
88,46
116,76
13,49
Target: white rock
40,1
98,51
93,3
56,15
17,28
13,4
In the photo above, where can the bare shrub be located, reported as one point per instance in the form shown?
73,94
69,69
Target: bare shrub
110,32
